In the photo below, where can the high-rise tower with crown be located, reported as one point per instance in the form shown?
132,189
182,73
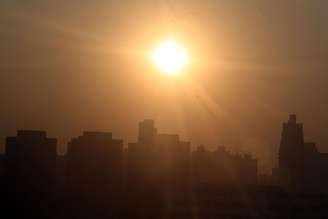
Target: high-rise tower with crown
291,151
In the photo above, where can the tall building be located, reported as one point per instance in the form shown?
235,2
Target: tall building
158,170
147,132
140,157
172,161
94,168
2,166
291,151
202,167
31,162
301,166
158,159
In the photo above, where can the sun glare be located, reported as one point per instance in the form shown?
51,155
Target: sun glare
170,57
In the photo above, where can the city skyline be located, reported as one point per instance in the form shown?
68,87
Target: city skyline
193,147
158,174
62,148
57,55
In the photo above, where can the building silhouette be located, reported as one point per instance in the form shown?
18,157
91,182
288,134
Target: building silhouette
158,168
30,162
146,132
2,165
160,157
301,166
222,168
30,171
94,174
140,157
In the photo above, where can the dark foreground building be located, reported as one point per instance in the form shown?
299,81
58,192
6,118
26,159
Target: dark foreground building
221,168
301,166
31,162
158,159
158,171
30,170
94,174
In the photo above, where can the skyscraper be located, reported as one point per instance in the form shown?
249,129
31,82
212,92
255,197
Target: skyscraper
301,166
147,132
291,151
94,173
31,162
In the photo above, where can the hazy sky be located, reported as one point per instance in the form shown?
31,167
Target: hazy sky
68,66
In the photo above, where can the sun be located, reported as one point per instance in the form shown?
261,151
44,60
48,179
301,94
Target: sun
170,57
